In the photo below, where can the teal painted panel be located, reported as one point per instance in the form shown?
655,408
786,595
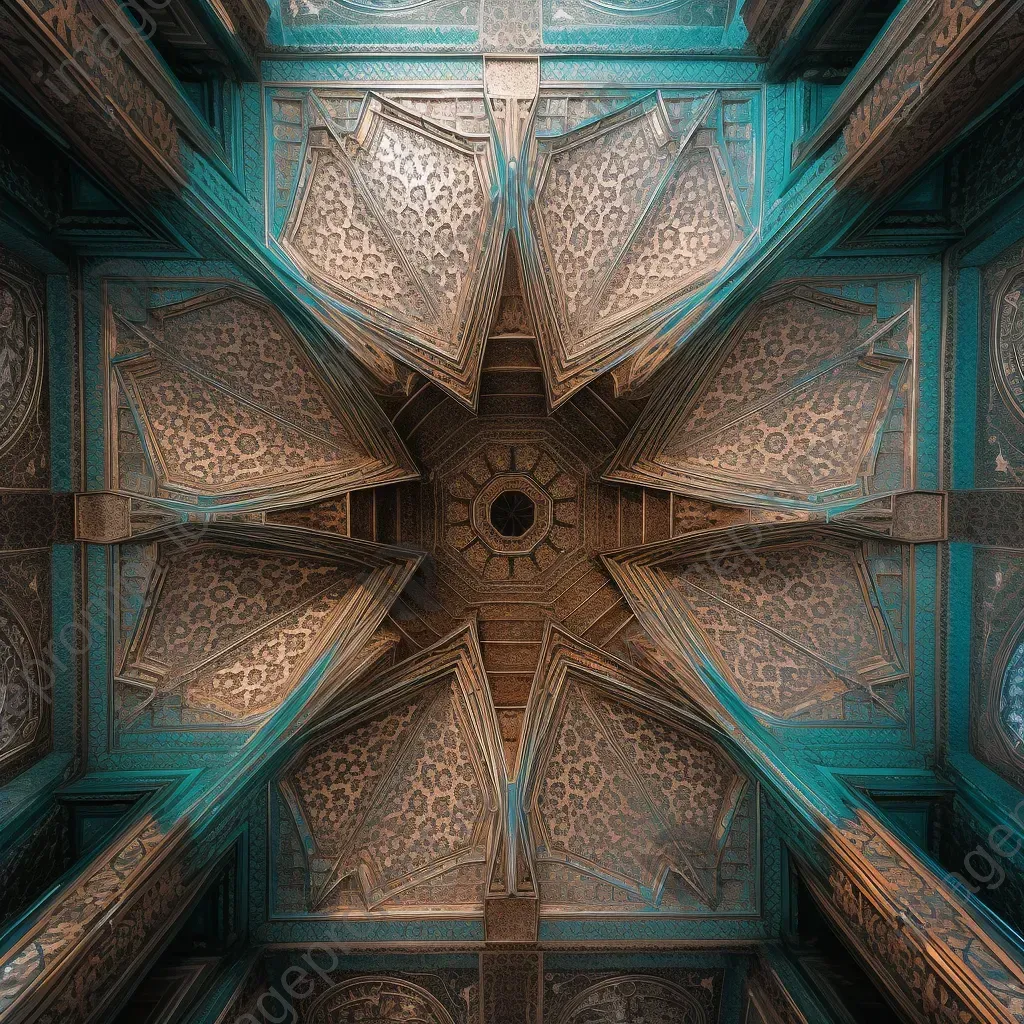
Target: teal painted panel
965,380
961,617
67,645
62,344
398,69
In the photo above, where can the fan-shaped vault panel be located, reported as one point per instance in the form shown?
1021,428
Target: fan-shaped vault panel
216,402
807,400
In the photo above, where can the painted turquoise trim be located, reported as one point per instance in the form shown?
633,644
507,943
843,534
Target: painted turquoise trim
65,646
965,379
640,38
926,580
647,929
612,71
386,38
93,390
374,70
97,616
958,676
61,367
1006,228
390,931
22,797
251,142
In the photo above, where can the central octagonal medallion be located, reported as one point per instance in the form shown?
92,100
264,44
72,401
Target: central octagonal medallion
510,507
497,497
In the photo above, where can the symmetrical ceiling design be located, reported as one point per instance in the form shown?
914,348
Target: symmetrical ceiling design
217,402
803,626
403,801
399,804
480,476
807,399
400,209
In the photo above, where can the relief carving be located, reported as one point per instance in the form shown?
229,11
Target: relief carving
618,791
631,215
399,806
396,218
378,1000
24,440
795,627
1008,341
221,405
225,633
796,404
25,673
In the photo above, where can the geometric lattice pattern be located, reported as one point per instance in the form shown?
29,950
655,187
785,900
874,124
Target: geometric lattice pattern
797,403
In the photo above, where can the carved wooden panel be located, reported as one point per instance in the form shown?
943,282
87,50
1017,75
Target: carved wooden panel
631,214
223,633
997,695
25,666
398,808
382,1000
999,458
660,995
803,627
397,220
24,405
627,805
801,397
622,208
219,403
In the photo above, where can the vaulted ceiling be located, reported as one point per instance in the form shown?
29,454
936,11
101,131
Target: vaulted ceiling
513,451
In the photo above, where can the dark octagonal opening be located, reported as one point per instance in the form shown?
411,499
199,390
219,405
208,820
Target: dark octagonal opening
512,513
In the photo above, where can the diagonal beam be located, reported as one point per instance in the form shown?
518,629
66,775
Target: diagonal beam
908,926
87,74
63,966
928,77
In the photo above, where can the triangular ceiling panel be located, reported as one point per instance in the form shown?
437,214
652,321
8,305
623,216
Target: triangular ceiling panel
401,795
229,628
631,215
790,620
229,409
399,222
620,786
795,405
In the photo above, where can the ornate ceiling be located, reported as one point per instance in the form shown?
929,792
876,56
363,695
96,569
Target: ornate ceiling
398,209
515,500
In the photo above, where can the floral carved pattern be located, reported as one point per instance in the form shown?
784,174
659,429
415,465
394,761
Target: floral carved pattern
400,807
630,215
625,798
1008,342
795,404
379,1000
231,408
24,458
226,632
396,218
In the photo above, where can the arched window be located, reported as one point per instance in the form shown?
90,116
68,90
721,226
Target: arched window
1011,694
